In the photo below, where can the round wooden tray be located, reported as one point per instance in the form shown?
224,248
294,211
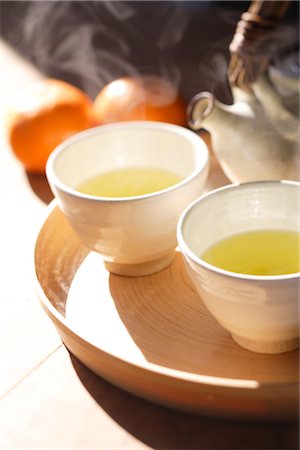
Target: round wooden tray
153,335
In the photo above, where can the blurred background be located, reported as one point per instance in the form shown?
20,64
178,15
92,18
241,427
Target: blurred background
90,43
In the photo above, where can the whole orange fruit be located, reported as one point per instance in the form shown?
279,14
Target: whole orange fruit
147,97
42,116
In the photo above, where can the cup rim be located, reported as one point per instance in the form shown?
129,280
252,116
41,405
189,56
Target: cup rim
186,250
190,135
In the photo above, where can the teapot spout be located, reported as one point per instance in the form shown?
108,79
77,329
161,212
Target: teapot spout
199,108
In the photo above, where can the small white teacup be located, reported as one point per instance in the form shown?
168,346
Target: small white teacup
260,311
135,235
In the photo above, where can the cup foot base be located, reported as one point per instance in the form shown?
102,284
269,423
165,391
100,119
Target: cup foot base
141,269
266,347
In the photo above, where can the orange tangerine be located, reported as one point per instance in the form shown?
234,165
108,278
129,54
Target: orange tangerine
42,116
146,97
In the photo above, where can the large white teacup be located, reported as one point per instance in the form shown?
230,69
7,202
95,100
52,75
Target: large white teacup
135,235
260,312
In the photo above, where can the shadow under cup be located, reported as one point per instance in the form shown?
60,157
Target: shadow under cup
135,235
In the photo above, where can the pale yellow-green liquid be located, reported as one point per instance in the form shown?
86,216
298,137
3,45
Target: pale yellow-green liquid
262,252
129,182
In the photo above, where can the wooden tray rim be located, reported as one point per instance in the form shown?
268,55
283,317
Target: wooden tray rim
175,374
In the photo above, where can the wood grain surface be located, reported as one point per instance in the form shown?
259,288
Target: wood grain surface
49,399
159,324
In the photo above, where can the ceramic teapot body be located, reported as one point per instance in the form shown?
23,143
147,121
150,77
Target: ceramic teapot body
255,138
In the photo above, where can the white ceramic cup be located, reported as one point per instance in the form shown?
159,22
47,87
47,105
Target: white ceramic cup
134,235
260,312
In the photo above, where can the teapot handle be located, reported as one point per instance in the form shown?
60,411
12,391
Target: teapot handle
199,107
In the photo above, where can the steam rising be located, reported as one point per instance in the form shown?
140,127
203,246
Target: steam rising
120,10
174,27
91,43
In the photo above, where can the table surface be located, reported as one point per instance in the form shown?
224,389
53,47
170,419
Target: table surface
49,399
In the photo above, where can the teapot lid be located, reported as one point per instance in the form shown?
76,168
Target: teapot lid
284,73
287,65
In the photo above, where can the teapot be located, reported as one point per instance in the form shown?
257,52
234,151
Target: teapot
256,137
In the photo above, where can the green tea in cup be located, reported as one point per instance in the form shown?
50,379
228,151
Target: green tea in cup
259,252
128,182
